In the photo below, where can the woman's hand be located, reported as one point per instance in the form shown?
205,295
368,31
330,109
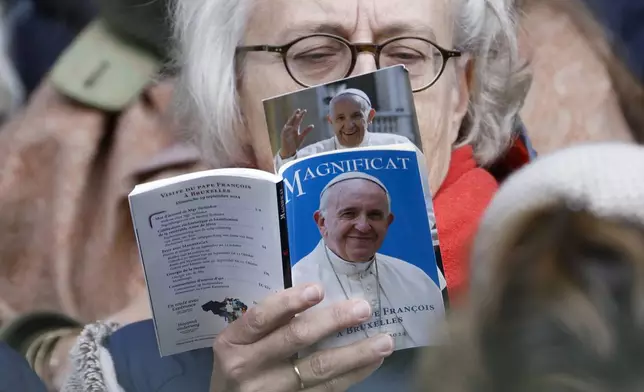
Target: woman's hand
255,352
291,137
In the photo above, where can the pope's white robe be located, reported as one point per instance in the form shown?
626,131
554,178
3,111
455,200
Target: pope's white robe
331,144
406,295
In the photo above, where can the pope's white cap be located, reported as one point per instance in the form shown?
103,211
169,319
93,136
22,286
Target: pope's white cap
353,176
354,92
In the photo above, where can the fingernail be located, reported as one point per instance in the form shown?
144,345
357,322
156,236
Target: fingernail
384,344
311,294
362,310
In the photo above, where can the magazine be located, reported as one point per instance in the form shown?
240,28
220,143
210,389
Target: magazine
357,219
370,110
214,243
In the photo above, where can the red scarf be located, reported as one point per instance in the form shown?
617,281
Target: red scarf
459,205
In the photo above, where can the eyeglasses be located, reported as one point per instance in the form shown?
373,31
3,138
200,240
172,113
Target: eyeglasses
322,58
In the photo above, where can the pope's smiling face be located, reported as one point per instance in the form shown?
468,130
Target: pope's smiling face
355,220
350,120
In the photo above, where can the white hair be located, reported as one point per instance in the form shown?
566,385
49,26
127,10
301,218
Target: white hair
208,31
324,194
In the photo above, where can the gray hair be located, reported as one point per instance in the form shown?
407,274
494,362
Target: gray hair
208,31
324,195
358,96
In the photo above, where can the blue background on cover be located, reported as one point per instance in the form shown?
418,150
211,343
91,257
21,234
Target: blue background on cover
409,236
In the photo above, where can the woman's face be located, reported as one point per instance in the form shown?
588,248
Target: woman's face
440,108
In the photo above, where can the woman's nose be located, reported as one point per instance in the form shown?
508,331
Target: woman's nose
365,63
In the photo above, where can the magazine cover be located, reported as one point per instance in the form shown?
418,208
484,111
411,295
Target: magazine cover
359,224
367,110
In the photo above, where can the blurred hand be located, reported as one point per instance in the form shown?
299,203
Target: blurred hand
60,365
254,353
291,136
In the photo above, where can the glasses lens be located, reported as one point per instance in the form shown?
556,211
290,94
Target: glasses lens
318,59
422,59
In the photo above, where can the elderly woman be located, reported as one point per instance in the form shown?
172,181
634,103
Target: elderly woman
467,95
236,53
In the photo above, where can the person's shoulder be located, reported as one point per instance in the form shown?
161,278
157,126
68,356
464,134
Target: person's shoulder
317,147
16,374
401,139
395,260
390,138
139,366
307,262
404,267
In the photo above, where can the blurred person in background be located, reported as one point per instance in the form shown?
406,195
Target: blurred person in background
557,282
40,30
623,20
583,89
96,126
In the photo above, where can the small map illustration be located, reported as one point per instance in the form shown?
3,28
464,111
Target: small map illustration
230,308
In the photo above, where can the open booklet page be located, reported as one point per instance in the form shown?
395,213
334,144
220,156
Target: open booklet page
360,223
211,248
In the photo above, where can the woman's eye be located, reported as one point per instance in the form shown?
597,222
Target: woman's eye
407,56
318,56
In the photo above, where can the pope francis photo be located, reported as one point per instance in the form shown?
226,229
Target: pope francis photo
353,218
350,114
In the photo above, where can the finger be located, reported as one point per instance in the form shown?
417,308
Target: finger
291,119
346,381
302,135
322,366
308,328
298,119
275,311
325,367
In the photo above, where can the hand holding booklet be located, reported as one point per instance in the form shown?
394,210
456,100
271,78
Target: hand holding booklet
355,217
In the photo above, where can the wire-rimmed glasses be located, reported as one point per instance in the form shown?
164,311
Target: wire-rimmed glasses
322,58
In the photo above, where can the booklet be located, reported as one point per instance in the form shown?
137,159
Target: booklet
374,109
358,219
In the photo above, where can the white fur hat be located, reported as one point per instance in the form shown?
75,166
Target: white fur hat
607,179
